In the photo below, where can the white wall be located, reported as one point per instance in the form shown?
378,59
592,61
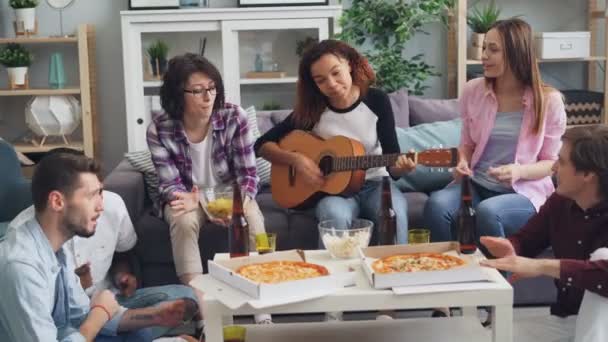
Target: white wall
550,15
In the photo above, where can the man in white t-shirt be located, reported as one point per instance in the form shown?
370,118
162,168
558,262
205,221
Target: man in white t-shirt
99,269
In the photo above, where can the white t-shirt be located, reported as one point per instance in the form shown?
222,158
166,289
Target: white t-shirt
357,123
114,233
203,174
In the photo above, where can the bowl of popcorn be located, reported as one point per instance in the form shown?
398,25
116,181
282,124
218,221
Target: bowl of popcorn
217,202
344,242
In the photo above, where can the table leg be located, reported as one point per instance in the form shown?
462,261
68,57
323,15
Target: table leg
502,323
213,322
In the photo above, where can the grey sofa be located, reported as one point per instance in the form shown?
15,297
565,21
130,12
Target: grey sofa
295,229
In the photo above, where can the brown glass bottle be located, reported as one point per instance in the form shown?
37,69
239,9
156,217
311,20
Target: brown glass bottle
238,235
467,229
387,221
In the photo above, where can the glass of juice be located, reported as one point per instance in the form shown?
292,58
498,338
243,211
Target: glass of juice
265,243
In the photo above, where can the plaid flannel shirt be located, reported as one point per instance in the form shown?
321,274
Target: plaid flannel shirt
232,152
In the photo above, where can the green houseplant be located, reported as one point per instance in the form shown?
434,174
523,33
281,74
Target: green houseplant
380,30
480,20
25,15
157,52
16,59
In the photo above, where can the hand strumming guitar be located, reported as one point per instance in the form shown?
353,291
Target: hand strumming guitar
308,170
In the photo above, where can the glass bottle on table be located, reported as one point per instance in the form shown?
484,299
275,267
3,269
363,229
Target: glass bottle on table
238,234
387,227
467,229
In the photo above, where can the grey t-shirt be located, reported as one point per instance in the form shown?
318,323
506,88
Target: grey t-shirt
500,150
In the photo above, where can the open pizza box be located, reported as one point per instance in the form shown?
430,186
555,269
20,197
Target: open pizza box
280,293
471,271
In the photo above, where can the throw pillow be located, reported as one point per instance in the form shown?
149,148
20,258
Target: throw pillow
401,107
432,110
443,134
262,165
142,162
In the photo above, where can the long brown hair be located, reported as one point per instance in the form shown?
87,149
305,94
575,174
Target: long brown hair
520,54
310,102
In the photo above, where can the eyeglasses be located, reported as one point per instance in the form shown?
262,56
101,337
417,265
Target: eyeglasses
200,91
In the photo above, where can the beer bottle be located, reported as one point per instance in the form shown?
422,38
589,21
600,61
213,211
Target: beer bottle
238,235
467,230
387,228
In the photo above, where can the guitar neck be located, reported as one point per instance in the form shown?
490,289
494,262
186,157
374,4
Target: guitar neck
367,162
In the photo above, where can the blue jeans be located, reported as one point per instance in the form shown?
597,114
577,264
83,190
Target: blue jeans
365,204
497,214
143,298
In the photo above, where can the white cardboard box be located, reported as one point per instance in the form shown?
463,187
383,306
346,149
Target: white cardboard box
469,272
224,270
555,45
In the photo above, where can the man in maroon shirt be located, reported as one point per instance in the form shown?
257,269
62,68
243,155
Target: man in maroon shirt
573,221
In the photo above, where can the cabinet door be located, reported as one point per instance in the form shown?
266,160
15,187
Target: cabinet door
269,45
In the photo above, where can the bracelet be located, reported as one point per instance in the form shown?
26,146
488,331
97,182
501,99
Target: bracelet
102,308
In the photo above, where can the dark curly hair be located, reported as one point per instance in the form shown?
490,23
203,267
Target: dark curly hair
179,71
310,102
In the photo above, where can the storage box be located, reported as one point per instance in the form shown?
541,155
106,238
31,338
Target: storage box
469,272
225,271
556,45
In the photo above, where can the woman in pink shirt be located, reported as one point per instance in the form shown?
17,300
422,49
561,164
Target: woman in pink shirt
511,129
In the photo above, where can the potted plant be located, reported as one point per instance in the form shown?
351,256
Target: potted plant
16,59
480,21
157,52
381,29
25,13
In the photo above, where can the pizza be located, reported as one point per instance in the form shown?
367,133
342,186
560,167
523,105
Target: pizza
416,262
280,271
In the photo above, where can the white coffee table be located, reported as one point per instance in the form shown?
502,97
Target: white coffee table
364,298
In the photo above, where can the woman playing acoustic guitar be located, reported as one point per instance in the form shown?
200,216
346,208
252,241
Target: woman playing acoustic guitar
334,98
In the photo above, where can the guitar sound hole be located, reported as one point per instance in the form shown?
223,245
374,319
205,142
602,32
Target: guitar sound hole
325,165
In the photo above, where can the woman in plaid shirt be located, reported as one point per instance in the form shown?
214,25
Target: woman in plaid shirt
199,141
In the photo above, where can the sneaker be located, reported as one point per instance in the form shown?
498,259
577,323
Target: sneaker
262,319
335,316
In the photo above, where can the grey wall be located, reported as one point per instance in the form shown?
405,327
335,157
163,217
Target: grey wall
549,15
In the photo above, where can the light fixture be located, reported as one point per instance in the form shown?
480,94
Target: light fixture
53,116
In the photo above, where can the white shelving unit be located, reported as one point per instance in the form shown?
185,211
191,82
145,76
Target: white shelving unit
234,37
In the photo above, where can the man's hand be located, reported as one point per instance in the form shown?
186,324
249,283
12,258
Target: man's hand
84,273
498,247
171,314
106,299
524,267
126,283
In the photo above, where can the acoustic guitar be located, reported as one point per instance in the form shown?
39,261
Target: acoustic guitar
343,163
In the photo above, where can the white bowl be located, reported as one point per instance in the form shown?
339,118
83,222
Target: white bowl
344,243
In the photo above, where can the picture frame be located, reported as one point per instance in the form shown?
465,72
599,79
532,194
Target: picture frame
276,3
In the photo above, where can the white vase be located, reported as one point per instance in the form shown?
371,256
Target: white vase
17,75
476,47
27,18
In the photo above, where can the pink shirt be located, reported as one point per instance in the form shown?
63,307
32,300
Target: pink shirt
478,108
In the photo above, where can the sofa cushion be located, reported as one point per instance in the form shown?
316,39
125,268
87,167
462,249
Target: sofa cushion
262,165
432,110
421,137
142,162
401,107
279,115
